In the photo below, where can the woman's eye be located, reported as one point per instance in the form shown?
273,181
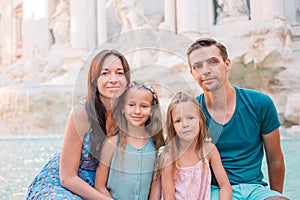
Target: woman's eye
104,73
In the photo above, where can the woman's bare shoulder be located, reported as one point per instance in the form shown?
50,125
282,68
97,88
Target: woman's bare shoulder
80,119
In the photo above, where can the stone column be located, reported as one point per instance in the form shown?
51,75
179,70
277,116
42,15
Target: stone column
292,11
29,28
6,34
170,14
83,24
188,16
206,16
266,9
91,24
36,20
255,10
275,8
101,22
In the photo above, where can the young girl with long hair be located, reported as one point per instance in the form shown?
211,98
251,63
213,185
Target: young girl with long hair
186,161
125,171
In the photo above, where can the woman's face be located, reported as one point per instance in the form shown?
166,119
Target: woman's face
112,80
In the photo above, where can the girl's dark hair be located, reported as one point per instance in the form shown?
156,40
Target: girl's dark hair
94,105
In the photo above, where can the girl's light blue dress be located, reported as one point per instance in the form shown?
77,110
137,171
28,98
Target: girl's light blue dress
131,178
46,185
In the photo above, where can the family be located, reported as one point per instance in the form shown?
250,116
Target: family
118,146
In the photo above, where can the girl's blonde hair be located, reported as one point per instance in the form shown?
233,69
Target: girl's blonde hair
153,125
172,152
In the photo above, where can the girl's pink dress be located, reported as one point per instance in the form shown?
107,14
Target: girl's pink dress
193,183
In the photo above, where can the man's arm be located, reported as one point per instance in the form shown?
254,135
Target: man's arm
275,160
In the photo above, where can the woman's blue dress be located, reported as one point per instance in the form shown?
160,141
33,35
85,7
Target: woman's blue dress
46,185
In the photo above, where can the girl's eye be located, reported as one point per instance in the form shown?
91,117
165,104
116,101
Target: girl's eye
120,73
177,121
191,117
145,106
131,104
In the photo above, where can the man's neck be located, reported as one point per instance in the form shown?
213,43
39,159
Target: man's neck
221,103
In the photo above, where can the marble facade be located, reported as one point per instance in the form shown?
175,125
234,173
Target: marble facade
44,46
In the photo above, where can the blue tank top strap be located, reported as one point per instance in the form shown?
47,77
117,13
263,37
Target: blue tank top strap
117,138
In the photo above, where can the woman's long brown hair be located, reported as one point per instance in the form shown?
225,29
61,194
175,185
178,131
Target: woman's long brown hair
94,105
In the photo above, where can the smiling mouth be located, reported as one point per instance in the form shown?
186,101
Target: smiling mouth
207,79
113,88
187,132
136,118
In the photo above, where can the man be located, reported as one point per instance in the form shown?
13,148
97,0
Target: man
242,123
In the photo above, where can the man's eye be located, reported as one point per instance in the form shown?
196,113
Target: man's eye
196,67
212,62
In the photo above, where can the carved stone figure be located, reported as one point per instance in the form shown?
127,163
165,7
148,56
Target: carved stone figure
231,9
129,14
60,23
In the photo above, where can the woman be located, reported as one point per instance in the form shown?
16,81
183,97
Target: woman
71,173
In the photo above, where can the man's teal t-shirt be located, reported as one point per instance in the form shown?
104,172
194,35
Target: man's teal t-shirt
239,141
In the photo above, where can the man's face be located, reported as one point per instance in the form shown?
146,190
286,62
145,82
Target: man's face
208,68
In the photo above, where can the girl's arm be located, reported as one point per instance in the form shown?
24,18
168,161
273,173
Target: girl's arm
77,126
155,190
168,183
219,172
103,167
